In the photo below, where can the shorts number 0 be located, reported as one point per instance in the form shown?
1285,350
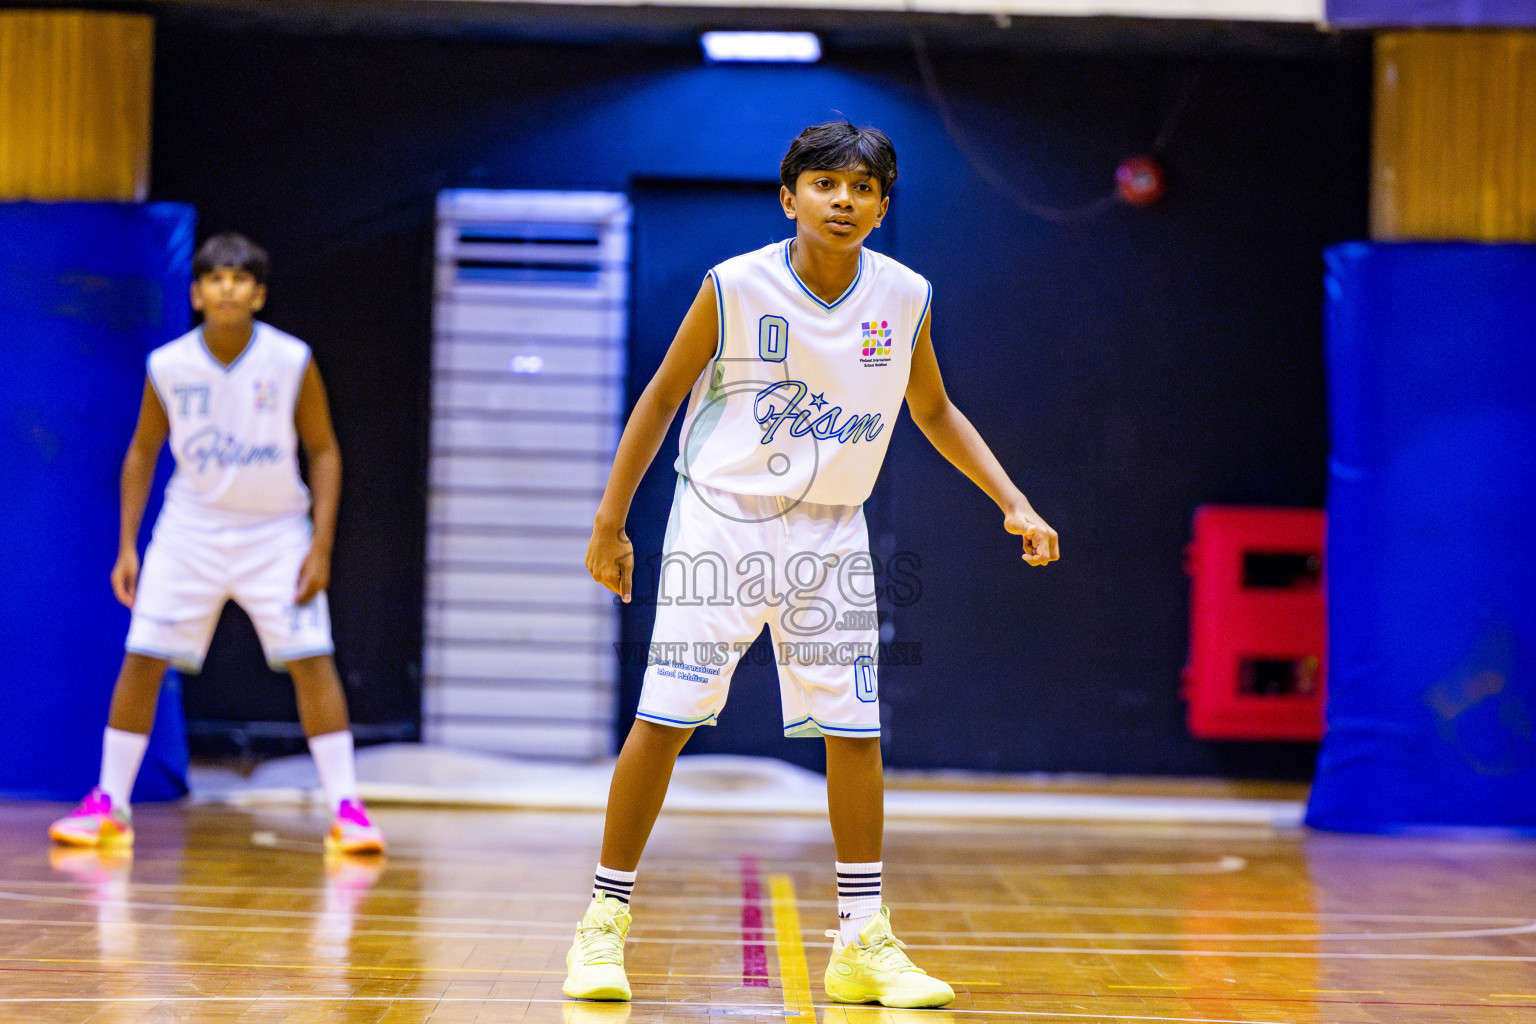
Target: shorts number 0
864,679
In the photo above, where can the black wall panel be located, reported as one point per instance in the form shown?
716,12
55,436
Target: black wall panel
1126,367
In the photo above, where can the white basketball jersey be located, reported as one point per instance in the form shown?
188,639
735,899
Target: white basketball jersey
802,394
232,429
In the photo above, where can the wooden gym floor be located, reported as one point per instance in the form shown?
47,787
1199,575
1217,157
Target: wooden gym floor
225,915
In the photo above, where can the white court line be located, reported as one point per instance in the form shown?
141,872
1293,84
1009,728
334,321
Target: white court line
734,903
1247,954
564,937
768,1010
1525,928
1220,866
730,935
175,926
923,805
226,911
1243,915
710,869
561,939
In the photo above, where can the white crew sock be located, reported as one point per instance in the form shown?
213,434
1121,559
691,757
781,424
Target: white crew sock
858,896
336,766
121,754
615,883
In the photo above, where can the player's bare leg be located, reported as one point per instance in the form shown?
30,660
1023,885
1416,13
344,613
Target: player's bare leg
103,818
136,693
640,780
856,796
868,964
322,701
323,713
595,963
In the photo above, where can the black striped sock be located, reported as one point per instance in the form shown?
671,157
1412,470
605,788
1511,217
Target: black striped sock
609,882
858,896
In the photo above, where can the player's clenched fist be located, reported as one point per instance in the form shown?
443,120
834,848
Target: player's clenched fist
314,576
1040,542
611,558
125,576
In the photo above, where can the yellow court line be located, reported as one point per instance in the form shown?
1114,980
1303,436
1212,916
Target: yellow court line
1340,992
1162,988
1512,995
794,975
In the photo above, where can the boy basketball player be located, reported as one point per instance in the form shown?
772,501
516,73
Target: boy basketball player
797,357
236,398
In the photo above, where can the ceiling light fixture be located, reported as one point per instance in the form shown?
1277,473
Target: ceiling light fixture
780,47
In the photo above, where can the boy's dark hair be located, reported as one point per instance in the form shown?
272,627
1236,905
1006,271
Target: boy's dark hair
839,146
230,250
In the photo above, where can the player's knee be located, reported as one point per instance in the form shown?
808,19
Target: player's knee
311,672
656,736
143,663
142,672
853,746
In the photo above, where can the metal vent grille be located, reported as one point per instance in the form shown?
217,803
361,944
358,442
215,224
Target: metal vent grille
527,391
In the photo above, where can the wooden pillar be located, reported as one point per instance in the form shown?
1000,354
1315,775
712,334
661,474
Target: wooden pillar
1454,146
75,105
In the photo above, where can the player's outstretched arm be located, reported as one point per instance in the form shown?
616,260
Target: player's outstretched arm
610,556
312,419
138,477
957,440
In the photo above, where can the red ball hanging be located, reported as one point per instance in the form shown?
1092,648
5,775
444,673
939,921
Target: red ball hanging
1139,181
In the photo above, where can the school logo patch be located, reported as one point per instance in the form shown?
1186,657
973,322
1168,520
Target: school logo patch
266,394
875,343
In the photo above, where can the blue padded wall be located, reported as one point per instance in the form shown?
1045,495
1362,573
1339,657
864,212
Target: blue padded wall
86,290
1431,547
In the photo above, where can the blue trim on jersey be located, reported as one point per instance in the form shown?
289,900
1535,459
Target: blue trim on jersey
719,315
853,732
809,727
829,306
154,385
255,332
186,661
926,303
651,716
298,393
670,537
279,659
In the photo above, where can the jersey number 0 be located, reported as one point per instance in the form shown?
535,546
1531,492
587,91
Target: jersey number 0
772,339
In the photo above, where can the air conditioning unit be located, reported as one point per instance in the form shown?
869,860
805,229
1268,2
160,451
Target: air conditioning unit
527,394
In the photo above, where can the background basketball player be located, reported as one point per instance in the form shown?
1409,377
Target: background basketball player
236,398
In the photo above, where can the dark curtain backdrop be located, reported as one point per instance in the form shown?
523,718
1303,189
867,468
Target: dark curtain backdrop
1125,368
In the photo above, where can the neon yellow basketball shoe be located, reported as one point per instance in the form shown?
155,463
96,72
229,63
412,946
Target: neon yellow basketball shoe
595,964
876,970
94,823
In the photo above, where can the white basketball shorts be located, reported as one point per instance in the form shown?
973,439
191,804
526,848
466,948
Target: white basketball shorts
733,562
188,574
